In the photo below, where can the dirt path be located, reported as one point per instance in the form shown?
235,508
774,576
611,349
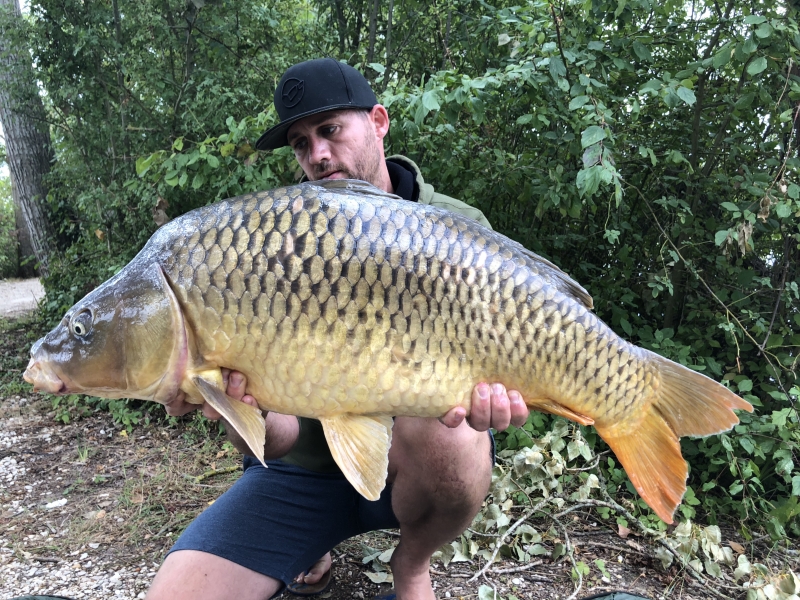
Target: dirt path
19,296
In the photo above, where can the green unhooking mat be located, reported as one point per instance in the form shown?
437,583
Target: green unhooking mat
615,596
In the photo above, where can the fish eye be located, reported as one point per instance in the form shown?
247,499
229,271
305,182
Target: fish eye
82,322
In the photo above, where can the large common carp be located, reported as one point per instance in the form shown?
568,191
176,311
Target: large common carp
346,304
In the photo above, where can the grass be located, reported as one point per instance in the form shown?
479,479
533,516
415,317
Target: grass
16,338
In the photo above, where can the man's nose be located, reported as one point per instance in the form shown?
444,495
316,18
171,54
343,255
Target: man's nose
319,151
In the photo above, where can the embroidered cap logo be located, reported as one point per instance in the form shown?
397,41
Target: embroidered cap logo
292,92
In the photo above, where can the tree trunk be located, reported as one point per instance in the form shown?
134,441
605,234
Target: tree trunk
341,22
28,149
373,26
389,37
26,259
446,50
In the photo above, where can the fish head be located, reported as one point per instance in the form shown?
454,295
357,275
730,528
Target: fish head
125,339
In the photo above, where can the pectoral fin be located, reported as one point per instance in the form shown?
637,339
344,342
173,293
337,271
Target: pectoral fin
245,419
360,446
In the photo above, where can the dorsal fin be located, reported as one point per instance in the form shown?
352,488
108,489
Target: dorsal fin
560,279
352,186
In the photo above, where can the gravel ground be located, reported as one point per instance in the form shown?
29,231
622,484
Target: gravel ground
89,513
87,571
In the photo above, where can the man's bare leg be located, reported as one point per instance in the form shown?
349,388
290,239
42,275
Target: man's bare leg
317,570
194,575
440,477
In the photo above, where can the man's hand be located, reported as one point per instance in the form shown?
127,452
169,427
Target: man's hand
177,407
492,407
234,383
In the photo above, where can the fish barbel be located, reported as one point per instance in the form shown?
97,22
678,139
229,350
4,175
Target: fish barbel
346,304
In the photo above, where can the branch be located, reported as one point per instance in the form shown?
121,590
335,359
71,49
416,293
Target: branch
780,292
570,554
502,539
560,49
699,577
244,59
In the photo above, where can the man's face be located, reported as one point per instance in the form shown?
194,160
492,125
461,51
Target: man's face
340,144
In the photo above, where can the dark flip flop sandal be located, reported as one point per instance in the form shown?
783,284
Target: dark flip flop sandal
310,589
390,595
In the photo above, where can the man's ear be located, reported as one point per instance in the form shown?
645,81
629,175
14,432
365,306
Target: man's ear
380,120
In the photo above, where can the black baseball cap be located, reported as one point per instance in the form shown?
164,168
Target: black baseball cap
313,87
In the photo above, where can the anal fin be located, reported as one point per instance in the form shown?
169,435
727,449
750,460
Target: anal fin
360,446
245,419
554,408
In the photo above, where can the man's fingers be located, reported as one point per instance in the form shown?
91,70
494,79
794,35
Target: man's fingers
177,407
248,399
480,415
225,374
454,417
210,413
500,407
236,385
519,411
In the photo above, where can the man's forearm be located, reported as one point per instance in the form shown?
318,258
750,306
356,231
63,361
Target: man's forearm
281,430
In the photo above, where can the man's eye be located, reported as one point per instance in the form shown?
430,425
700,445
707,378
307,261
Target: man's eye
329,130
299,145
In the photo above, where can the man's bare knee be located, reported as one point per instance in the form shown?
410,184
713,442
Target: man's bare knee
438,473
194,575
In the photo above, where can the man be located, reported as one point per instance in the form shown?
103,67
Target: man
271,528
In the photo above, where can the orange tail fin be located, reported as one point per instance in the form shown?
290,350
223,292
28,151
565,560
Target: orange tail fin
686,403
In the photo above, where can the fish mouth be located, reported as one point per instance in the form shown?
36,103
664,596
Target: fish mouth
44,379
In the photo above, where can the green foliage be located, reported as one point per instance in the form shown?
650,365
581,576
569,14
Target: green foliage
538,488
9,258
124,84
126,413
16,337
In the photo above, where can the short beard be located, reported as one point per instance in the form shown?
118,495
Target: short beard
366,167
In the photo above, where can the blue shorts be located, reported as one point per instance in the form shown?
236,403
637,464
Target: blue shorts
279,521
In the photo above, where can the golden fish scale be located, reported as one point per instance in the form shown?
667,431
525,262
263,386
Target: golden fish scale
332,305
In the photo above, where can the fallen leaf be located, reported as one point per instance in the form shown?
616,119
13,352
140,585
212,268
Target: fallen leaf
137,497
634,545
623,531
159,212
380,577
100,515
738,548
